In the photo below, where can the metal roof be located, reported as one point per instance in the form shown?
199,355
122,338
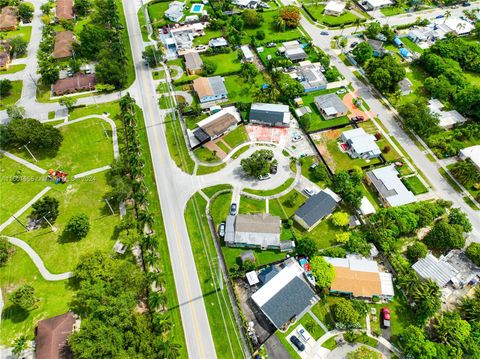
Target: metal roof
269,113
390,187
317,207
432,268
330,101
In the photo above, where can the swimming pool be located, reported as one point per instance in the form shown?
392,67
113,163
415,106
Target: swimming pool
196,8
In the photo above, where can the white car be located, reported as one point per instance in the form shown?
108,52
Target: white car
309,192
264,177
297,138
341,91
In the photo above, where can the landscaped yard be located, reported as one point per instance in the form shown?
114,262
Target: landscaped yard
209,34
236,137
307,162
210,191
12,69
415,185
205,155
156,13
249,205
345,18
14,95
286,205
226,63
323,234
23,31
392,10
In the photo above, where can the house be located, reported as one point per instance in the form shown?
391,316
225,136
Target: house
405,86
79,82
330,106
435,269
473,153
51,336
182,39
210,88
175,11
193,63
218,42
285,297
376,4
391,189
268,273
64,10
63,45
250,4
247,53
377,47
8,18
311,76
270,114
316,208
428,34
214,126
398,42
4,55
293,50
334,8
255,231
302,111
366,207
360,144
447,119
360,278
458,26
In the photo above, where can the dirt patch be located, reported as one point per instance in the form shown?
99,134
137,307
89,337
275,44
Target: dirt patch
212,146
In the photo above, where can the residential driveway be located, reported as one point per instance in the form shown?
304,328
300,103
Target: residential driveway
354,110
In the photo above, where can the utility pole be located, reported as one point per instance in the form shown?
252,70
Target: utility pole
24,226
108,204
31,154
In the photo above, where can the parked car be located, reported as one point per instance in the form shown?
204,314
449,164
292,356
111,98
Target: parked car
341,91
221,230
295,341
201,47
353,44
309,192
273,169
264,177
304,335
296,138
233,209
439,16
358,118
324,33
466,4
386,317
271,44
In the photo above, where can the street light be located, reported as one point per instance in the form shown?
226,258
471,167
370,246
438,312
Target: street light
31,154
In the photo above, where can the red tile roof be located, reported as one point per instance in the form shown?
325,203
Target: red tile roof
63,45
78,82
64,9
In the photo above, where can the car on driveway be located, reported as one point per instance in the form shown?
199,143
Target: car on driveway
353,44
264,177
221,230
386,317
233,209
341,91
309,192
296,138
324,33
295,341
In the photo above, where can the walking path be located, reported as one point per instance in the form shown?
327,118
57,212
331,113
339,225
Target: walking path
179,71
38,261
24,162
24,208
325,329
92,172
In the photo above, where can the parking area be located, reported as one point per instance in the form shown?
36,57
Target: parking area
312,349
278,135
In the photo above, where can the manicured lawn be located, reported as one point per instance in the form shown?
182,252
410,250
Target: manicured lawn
143,23
222,323
392,10
344,19
126,43
240,151
240,90
415,185
22,31
13,68
205,170
307,173
263,257
226,63
330,343
209,34
220,207
323,234
271,33
210,191
14,96
322,311
249,205
177,146
271,192
15,195
365,339
112,108
84,147
156,12
411,45
371,196
205,155
282,206
236,137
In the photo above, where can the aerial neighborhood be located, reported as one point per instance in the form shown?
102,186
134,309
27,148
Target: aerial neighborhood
239,179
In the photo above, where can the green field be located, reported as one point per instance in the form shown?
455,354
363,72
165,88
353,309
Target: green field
240,90
14,95
249,205
307,162
236,137
415,185
263,257
271,33
12,69
392,10
282,206
226,63
220,207
271,192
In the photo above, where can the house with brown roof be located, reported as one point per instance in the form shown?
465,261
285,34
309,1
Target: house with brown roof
210,89
79,82
8,18
4,55
63,45
64,10
193,63
51,337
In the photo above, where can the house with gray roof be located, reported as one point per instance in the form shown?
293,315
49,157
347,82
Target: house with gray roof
435,269
270,114
330,106
175,11
193,63
287,296
391,189
293,50
316,208
311,76
218,42
360,144
210,89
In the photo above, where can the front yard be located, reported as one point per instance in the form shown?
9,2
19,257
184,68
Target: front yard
226,63
316,11
14,96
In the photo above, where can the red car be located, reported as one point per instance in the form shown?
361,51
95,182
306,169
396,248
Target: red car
386,317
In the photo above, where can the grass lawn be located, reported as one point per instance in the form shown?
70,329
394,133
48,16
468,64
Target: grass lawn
330,343
323,234
287,345
365,339
205,170
371,196
205,155
210,191
222,323
263,257
322,311
220,207
126,43
240,151
415,185
156,13
249,205
177,146
226,63
13,68
271,192
84,147
22,31
143,23
344,19
240,90
209,34
236,137
392,10
271,32
411,45
282,206
14,96
307,173
15,195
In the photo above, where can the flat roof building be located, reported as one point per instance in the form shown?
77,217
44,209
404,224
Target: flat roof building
247,53
293,50
175,11
316,208
270,114
391,189
311,76
473,153
377,4
360,144
218,42
334,8
330,106
447,119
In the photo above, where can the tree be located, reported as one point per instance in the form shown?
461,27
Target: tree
357,243
342,237
152,56
109,72
46,8
331,74
373,30
47,207
362,52
450,329
252,18
347,186
18,46
472,252
15,112
260,35
340,219
5,87
82,7
24,296
418,117
6,251
467,101
258,163
456,216
445,236
290,15
416,251
78,226
440,87
465,172
305,121
426,296
323,272
345,313
290,88
415,345
25,11
248,71
470,306
384,73
19,345
209,67
68,102
307,246
319,173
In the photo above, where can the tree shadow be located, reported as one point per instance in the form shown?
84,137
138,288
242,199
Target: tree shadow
67,237
15,313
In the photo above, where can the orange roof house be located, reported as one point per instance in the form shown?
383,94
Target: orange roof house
8,18
64,10
63,45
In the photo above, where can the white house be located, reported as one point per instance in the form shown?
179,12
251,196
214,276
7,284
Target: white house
447,119
334,8
247,53
175,11
377,4
360,144
472,152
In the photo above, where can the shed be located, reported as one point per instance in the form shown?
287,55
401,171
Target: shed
247,256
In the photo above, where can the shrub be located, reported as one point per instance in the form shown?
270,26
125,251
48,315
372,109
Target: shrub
78,226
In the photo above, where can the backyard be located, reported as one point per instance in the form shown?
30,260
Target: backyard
286,206
226,63
316,11
271,32
240,90
14,95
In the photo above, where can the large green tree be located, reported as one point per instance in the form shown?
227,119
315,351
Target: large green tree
473,253
6,251
344,312
445,236
415,345
362,52
24,296
258,163
384,73
323,272
78,226
47,207
290,15
252,18
22,131
418,117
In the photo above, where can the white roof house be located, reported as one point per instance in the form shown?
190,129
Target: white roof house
247,53
472,152
293,50
366,207
334,8
252,278
311,76
360,143
375,4
447,119
391,189
175,11
459,26
218,42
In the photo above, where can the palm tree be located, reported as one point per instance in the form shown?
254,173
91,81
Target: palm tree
357,23
149,242
149,258
161,323
19,345
470,307
170,350
448,13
